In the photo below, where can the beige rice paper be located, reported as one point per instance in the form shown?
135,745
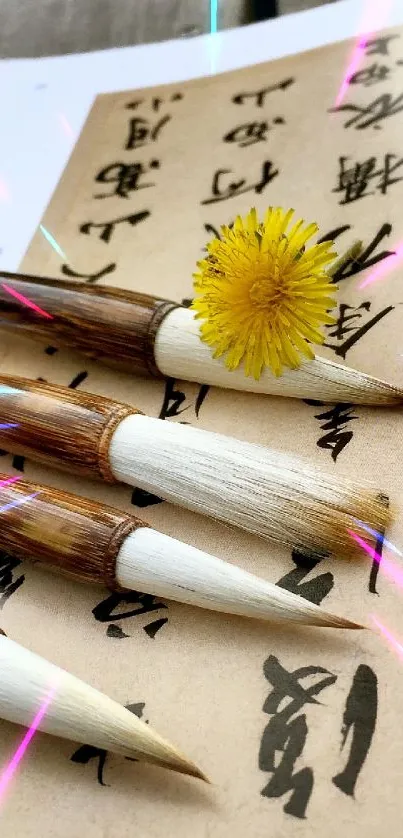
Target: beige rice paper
238,697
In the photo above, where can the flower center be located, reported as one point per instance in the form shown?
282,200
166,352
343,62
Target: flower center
263,293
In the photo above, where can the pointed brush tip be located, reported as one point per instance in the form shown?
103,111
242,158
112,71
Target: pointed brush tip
201,776
191,770
342,623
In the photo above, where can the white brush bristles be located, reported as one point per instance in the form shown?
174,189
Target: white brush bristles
155,563
74,710
264,492
180,353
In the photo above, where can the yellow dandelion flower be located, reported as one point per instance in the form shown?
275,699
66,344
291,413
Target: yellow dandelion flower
262,294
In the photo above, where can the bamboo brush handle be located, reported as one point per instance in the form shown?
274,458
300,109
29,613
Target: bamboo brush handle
76,536
109,324
59,427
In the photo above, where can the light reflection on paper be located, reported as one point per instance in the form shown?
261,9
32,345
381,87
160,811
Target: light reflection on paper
26,302
387,634
11,767
384,267
387,566
375,17
66,125
52,241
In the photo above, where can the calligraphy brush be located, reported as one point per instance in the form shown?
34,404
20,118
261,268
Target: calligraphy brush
147,336
70,708
265,492
91,542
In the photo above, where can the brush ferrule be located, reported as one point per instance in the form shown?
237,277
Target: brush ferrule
108,324
75,536
63,428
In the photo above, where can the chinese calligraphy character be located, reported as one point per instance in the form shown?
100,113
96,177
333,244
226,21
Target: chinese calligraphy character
370,75
8,585
107,610
141,132
173,400
126,177
373,114
287,731
221,192
109,269
359,720
260,95
376,562
155,102
354,180
366,258
214,231
85,753
335,420
108,227
250,132
347,323
379,46
142,498
315,589
77,380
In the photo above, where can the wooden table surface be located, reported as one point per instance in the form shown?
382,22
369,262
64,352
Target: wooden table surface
30,28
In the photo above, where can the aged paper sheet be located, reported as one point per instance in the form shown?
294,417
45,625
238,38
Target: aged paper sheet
153,176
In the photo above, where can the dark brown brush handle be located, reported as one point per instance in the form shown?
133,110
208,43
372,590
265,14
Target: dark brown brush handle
60,427
108,324
78,537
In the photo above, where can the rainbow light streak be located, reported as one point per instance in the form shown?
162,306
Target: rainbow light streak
375,18
394,643
389,568
18,502
383,267
66,125
53,243
26,301
10,480
377,535
213,16
12,766
6,425
5,390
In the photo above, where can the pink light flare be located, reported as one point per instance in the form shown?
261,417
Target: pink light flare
356,58
4,191
66,125
10,480
12,766
376,534
388,567
383,267
374,18
392,640
26,301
